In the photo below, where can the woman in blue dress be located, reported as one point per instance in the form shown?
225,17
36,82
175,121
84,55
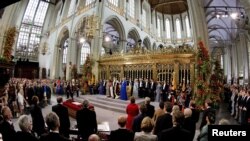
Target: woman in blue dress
123,94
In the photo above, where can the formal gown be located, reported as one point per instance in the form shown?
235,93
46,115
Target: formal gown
124,91
158,92
135,90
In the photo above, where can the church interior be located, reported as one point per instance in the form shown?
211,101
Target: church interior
93,70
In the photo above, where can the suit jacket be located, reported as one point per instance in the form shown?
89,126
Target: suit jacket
150,110
136,127
205,113
195,115
37,119
7,130
25,136
177,133
190,125
86,122
163,122
63,115
121,135
53,137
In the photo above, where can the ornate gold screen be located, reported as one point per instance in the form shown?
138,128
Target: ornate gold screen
173,65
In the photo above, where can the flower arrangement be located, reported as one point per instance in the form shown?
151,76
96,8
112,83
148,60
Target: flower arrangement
216,83
87,69
203,74
9,41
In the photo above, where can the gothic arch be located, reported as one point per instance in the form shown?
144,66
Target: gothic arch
132,38
116,26
62,37
146,43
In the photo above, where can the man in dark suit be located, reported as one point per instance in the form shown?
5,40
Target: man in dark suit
152,89
176,132
52,120
62,113
6,126
150,108
86,121
122,134
209,109
47,92
164,121
136,127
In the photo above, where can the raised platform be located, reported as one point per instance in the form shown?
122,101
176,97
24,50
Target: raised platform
102,101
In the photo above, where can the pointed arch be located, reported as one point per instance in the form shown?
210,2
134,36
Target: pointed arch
154,47
146,42
132,39
114,34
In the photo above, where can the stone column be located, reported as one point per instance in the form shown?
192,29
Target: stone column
198,21
55,64
96,43
68,65
234,62
228,64
244,55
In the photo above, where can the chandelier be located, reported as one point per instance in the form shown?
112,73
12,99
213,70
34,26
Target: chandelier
88,27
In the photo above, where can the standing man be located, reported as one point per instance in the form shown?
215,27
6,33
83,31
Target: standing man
62,113
47,92
122,134
86,121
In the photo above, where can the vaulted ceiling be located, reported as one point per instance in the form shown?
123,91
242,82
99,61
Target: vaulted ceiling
224,20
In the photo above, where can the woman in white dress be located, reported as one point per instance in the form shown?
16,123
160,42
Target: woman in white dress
135,88
20,100
158,92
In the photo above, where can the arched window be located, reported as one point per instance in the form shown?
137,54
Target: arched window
114,2
65,51
178,28
31,29
187,27
168,32
132,8
144,19
158,27
85,50
88,2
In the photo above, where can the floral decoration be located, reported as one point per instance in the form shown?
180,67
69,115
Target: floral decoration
203,74
9,41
